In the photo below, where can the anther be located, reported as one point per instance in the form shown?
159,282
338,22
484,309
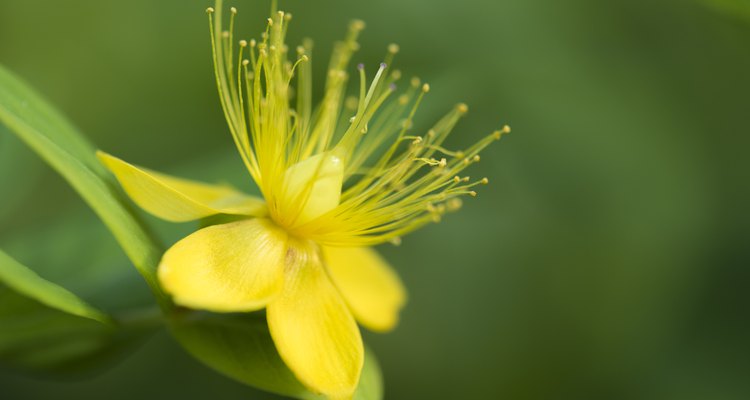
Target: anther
233,10
270,22
245,62
463,108
360,66
431,133
287,16
506,129
476,158
473,194
443,162
358,25
225,34
456,179
393,48
485,181
305,58
383,65
351,103
210,10
252,42
300,50
243,43
454,204
497,135
426,87
415,81
396,74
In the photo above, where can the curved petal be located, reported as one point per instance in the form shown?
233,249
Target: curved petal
313,187
370,286
176,199
226,268
313,329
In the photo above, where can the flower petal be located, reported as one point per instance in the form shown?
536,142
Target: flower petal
313,329
370,286
176,199
317,179
226,268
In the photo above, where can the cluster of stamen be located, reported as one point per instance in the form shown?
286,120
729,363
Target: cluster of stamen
393,181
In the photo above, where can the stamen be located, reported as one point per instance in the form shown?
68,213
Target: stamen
414,182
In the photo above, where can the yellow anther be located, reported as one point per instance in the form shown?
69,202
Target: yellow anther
476,158
415,81
431,133
358,25
485,181
245,62
300,50
473,194
287,16
396,74
506,129
351,103
426,87
443,162
210,10
253,42
456,179
403,99
393,48
454,204
305,58
270,21
497,135
225,34
463,108
233,10
243,43
460,154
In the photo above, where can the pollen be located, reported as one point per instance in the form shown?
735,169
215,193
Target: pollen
348,171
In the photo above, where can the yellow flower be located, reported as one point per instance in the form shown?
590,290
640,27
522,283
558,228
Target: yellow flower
335,179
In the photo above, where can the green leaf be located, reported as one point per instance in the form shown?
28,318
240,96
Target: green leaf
26,282
240,347
51,136
46,327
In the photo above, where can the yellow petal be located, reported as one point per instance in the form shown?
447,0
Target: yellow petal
370,286
225,268
313,329
179,200
321,176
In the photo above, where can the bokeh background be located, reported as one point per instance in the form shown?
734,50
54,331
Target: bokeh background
607,259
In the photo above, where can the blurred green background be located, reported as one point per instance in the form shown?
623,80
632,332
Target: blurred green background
607,259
